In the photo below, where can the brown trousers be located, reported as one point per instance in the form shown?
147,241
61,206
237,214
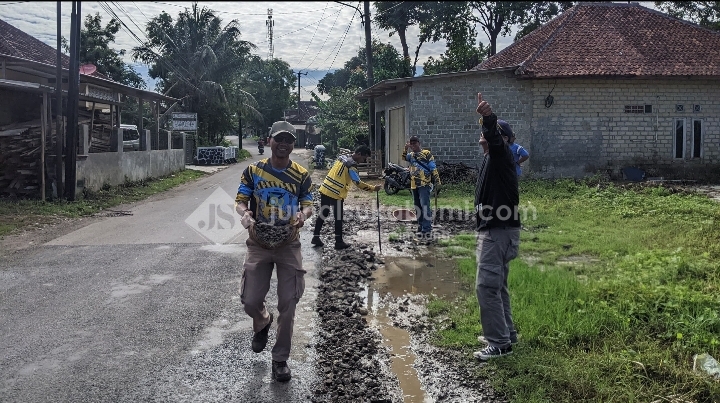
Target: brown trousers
255,284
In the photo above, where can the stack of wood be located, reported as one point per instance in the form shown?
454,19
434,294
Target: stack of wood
456,173
100,132
373,166
20,159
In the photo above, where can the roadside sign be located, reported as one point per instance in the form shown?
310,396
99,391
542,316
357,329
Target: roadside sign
184,121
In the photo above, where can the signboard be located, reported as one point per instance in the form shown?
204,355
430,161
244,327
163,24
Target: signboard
184,121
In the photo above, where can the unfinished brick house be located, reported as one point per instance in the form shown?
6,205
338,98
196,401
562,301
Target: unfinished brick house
601,87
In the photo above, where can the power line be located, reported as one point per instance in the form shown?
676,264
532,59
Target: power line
314,32
324,42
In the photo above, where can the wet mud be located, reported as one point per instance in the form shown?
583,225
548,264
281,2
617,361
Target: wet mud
374,327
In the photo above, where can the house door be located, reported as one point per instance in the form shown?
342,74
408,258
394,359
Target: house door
396,135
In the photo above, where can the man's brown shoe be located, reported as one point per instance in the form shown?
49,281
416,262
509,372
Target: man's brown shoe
259,340
281,371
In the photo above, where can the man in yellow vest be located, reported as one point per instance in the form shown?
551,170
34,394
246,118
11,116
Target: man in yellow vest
333,192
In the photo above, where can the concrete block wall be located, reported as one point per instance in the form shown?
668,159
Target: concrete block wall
116,168
586,130
442,112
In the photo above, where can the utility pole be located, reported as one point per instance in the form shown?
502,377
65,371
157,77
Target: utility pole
370,80
72,108
374,145
58,112
304,74
270,24
240,135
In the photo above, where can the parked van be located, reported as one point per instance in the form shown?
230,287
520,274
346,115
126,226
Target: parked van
131,138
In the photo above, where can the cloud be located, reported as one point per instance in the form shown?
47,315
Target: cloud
311,36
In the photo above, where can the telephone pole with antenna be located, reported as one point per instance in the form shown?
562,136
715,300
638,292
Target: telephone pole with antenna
270,24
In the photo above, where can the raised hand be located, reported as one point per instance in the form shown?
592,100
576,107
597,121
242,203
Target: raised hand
483,107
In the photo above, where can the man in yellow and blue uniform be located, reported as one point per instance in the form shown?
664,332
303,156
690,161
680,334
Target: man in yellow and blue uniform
423,174
334,189
274,191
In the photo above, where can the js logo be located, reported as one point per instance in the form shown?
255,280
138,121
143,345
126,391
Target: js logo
215,219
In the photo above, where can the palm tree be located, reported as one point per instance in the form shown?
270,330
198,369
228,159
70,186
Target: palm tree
197,59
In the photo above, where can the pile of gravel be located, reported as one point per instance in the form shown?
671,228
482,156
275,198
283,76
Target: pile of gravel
353,367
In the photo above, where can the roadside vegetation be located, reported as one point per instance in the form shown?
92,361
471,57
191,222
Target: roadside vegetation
615,290
15,214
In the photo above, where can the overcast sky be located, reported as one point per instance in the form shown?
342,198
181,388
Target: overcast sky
313,37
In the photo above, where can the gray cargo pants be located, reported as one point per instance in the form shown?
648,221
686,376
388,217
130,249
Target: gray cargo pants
255,284
496,247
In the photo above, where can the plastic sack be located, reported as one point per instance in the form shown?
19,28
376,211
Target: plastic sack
707,364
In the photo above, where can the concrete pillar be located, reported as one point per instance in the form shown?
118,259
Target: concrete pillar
116,141
145,140
169,138
184,140
84,142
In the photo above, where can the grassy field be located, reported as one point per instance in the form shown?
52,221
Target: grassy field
16,214
614,292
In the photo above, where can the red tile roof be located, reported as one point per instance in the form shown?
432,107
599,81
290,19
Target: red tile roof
14,42
613,39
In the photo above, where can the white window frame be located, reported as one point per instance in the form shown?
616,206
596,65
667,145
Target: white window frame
674,140
702,135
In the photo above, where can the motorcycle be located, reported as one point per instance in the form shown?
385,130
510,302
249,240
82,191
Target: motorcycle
261,147
397,178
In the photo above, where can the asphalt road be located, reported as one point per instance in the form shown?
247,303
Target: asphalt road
144,307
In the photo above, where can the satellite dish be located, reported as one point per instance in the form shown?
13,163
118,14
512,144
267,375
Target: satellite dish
87,69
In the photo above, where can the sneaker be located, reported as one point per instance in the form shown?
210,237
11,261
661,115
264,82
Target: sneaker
316,241
281,371
260,339
340,244
490,352
483,340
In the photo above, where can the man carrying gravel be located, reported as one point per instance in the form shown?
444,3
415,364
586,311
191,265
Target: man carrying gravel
334,190
274,201
498,225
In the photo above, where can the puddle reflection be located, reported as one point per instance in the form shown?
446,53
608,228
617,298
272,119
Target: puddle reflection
424,274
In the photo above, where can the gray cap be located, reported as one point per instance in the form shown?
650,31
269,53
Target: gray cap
282,127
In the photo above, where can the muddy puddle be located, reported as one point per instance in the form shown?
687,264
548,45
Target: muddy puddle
399,276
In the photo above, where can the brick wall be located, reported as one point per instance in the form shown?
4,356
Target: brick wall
442,111
586,130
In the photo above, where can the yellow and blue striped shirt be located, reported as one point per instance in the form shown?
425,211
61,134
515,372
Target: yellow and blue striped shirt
423,170
337,181
275,196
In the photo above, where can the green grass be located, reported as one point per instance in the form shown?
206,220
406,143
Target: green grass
451,196
15,214
614,292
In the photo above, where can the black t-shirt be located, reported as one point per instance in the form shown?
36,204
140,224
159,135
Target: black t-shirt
497,197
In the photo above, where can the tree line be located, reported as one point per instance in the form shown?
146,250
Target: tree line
198,59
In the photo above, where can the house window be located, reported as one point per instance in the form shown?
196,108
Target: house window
634,108
697,139
679,139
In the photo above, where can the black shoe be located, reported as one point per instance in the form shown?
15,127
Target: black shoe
259,340
340,244
281,371
316,241
491,352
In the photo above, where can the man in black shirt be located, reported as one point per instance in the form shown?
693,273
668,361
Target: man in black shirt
498,226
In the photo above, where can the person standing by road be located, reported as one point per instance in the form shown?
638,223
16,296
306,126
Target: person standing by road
333,192
423,177
496,207
274,194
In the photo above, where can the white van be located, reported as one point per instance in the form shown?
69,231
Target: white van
131,138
